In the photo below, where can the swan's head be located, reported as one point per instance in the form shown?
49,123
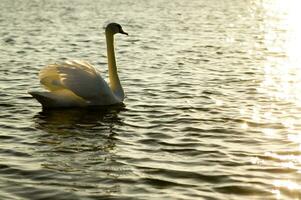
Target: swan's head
114,28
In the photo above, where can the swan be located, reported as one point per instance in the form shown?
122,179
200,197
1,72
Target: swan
79,84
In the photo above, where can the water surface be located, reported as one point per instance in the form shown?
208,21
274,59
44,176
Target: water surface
212,109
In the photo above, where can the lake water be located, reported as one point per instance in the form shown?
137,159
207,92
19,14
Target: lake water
213,103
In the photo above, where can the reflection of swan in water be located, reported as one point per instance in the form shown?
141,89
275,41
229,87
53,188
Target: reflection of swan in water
79,140
79,119
78,149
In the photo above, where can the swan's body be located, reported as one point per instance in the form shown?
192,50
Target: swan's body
79,84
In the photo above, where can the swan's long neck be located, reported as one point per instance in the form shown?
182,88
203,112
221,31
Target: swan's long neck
113,75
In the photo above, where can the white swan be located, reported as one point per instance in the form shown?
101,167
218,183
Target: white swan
79,84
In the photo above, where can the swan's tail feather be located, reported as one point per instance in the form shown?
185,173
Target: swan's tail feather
60,98
44,98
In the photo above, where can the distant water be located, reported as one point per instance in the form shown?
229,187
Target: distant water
213,103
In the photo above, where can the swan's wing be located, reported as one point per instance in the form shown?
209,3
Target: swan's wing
78,76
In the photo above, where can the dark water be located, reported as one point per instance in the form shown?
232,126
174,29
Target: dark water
212,110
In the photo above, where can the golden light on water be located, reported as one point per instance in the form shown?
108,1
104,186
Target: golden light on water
285,158
269,132
287,184
282,84
291,186
282,33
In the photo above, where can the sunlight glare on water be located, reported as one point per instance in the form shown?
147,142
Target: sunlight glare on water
282,82
282,39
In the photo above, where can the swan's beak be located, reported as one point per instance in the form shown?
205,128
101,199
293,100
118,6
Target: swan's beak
122,32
